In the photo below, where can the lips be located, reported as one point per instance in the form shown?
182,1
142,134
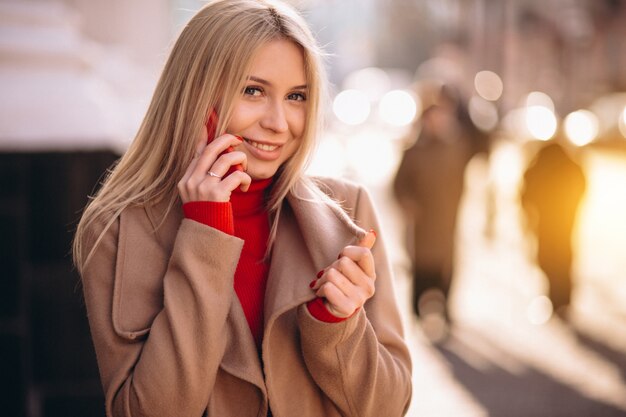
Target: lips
262,146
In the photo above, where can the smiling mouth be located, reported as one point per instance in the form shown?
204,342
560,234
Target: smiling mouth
262,146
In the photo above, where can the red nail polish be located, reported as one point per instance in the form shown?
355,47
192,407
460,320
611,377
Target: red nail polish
312,284
319,274
239,137
373,231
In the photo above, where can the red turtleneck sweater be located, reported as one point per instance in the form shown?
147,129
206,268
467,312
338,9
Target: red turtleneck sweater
245,216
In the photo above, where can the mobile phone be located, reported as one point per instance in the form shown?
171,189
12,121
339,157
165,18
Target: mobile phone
211,128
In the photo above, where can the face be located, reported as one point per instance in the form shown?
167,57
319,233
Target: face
271,113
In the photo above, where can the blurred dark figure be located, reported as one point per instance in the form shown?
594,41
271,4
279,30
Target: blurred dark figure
554,184
428,186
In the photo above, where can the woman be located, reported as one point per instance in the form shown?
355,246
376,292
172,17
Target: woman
198,277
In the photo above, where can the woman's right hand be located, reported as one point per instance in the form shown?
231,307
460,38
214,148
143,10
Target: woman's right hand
206,179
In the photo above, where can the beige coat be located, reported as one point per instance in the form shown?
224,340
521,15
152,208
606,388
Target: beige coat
172,340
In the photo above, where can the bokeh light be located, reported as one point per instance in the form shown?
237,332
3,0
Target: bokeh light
352,107
541,122
537,98
539,310
483,113
399,107
488,85
581,127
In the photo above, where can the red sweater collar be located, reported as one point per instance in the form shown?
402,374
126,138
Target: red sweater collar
252,201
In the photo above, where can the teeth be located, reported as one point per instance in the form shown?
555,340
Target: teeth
262,146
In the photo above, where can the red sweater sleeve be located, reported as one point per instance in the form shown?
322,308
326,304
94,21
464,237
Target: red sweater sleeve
218,215
319,311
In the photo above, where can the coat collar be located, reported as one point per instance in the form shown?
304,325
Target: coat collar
311,233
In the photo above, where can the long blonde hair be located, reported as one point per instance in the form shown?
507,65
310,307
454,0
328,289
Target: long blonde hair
206,69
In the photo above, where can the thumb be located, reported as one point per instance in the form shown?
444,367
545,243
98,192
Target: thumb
368,240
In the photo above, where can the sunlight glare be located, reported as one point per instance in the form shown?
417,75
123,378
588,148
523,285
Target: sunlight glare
581,127
352,107
541,122
399,108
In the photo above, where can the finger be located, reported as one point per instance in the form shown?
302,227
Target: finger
237,179
339,279
211,152
362,256
355,284
368,240
336,301
225,161
362,283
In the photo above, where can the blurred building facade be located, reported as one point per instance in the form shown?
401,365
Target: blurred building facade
569,49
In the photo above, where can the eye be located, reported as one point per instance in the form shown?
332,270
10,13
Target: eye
297,96
253,91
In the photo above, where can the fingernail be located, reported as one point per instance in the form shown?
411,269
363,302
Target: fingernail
312,284
239,137
319,274
373,231
229,149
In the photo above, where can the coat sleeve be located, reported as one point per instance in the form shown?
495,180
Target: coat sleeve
362,364
168,368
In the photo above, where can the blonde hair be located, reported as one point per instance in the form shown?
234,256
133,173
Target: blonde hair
206,69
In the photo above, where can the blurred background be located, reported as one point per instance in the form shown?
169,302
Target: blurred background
491,133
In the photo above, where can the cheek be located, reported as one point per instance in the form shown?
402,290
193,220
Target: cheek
241,117
298,122
292,147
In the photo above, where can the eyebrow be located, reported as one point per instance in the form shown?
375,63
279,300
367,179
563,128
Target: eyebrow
265,82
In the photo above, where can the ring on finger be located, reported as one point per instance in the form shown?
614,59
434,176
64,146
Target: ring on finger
213,174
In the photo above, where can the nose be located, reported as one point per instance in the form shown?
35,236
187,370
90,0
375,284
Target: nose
275,118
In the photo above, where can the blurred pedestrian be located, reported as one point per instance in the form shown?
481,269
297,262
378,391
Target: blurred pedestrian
199,256
554,184
428,186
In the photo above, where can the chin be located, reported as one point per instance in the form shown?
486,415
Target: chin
262,174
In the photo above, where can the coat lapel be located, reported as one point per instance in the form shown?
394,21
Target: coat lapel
310,236
241,358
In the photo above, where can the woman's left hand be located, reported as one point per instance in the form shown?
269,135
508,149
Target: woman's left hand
349,281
